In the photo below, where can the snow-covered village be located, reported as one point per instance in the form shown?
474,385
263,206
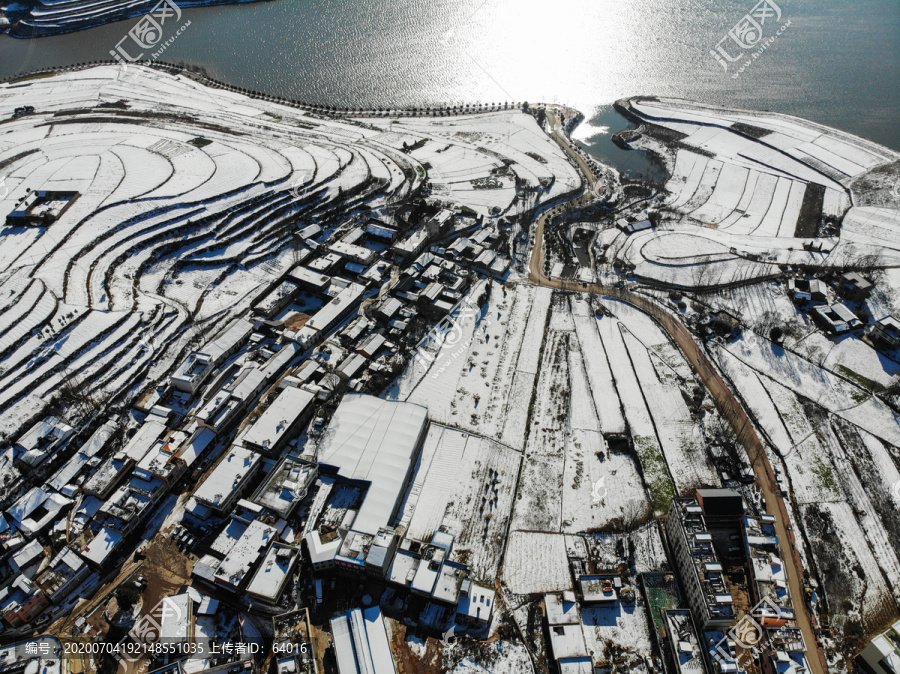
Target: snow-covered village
296,389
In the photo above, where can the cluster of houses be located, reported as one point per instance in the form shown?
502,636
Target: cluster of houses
703,621
226,424
708,635
371,447
266,504
79,521
370,451
831,307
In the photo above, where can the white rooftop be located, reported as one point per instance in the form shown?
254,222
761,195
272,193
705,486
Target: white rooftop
426,576
272,574
449,582
321,552
156,461
108,473
375,441
228,340
412,242
144,440
325,316
196,445
27,555
174,617
89,449
268,430
102,546
227,475
42,439
403,568
132,499
567,641
372,344
353,251
477,602
231,533
286,485
37,509
688,657
352,365
245,552
560,611
247,383
361,643
309,276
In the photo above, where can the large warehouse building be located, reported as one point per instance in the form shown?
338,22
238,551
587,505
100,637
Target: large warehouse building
361,643
374,442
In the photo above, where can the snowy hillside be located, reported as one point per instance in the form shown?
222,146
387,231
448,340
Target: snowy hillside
186,201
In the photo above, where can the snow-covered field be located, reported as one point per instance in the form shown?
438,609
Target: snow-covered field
680,436
877,226
831,443
752,197
465,149
785,144
504,658
479,375
186,201
836,394
744,186
536,563
565,378
562,423
467,490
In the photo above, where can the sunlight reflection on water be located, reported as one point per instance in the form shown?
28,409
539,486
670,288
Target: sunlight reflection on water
585,53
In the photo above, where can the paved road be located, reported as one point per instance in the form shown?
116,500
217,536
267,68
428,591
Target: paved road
719,390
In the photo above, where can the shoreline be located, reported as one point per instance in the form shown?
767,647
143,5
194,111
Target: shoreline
624,107
132,12
574,116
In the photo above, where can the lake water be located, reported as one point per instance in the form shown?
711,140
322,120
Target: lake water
595,135
836,63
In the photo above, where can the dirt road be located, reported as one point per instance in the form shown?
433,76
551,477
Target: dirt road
726,401
63,626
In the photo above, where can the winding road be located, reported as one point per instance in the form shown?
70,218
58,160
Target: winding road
726,401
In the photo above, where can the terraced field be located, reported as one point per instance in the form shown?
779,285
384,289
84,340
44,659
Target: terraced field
749,190
186,202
